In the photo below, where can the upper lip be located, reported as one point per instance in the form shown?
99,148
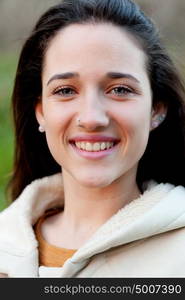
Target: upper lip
93,138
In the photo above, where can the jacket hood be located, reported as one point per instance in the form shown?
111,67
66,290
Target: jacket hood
159,209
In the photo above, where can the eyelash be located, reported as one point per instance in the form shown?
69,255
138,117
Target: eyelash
125,89
60,90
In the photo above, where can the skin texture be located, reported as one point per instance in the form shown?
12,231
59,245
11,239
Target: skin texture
121,108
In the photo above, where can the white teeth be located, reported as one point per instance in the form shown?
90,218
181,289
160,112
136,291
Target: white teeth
103,146
98,146
88,146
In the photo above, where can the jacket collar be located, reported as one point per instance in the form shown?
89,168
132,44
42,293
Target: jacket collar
17,236
161,208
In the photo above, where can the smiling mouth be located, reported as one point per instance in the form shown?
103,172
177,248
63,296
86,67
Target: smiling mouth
94,147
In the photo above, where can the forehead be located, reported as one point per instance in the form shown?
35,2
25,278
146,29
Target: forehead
101,45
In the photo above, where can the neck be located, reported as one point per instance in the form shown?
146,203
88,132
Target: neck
91,207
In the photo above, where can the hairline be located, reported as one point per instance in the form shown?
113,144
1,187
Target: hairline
96,21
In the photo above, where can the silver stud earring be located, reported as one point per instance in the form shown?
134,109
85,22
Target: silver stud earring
154,124
157,120
161,117
41,129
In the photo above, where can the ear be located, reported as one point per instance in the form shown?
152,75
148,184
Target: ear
158,115
39,113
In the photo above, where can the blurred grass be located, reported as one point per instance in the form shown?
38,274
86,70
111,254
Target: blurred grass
8,62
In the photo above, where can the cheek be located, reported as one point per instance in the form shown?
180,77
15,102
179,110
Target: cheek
55,121
134,124
134,119
56,116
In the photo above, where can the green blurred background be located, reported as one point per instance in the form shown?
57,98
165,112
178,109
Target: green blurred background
17,18
7,71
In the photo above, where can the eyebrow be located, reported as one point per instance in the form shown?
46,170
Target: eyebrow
111,75
66,75
117,75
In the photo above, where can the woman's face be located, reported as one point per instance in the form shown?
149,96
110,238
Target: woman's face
95,73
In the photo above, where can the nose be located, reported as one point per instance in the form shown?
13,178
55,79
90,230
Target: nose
93,113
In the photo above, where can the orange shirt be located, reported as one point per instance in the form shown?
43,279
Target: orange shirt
50,255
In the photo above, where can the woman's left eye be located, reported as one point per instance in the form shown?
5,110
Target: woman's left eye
120,91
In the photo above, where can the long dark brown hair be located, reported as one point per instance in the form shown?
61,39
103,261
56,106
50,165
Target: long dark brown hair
164,158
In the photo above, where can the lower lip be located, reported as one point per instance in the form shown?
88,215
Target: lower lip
94,154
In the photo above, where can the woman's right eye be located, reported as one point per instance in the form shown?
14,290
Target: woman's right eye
64,91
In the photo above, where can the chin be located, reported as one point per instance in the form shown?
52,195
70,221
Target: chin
95,181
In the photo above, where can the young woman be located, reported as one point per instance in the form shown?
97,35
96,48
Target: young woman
98,178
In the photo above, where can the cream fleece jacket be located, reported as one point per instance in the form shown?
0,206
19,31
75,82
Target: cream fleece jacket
146,238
